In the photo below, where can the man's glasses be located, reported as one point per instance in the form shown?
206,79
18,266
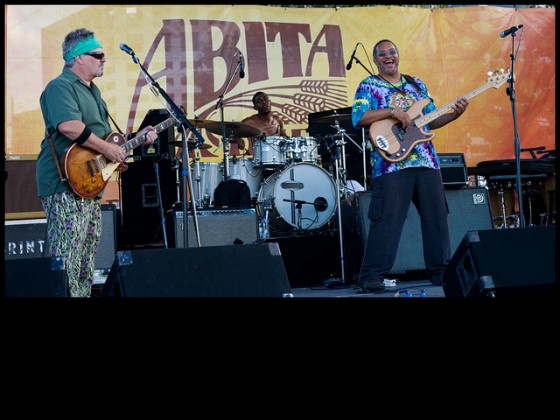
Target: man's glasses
382,53
98,55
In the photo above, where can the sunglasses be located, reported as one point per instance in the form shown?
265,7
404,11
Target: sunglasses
98,55
382,54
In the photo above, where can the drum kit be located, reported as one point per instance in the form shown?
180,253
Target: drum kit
288,186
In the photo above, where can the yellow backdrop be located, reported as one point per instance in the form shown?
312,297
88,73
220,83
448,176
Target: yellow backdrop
298,56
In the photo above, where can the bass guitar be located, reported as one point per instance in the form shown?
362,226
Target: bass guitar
88,172
394,143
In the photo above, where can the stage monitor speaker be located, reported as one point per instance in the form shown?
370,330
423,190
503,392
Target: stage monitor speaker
35,277
503,262
217,227
252,270
469,209
26,239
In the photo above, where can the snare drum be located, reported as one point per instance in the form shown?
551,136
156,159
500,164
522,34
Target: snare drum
244,170
302,196
302,149
269,152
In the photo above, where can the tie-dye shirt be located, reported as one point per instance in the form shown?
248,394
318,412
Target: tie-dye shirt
375,93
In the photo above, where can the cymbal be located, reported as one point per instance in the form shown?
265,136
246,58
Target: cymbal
199,123
234,129
191,144
332,117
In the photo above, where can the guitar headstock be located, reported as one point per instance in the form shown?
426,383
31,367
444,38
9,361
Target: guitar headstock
498,78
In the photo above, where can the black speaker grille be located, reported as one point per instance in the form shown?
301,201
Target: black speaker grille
218,227
469,209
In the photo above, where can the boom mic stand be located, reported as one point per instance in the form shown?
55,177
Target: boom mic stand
517,149
220,104
363,148
184,123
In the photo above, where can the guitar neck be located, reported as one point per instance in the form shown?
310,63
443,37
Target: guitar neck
138,140
428,118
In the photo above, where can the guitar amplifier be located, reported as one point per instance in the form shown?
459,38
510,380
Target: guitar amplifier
217,227
453,170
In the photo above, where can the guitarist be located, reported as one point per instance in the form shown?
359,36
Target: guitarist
74,112
415,178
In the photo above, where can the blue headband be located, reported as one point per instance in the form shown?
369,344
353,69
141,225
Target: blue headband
83,46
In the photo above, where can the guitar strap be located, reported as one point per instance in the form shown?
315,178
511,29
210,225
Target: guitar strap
411,80
55,157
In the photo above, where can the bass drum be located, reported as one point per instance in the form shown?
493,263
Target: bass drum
242,168
301,196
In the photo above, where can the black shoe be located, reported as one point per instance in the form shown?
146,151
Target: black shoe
371,287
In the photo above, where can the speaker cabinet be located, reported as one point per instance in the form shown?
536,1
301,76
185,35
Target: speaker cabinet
503,262
20,185
217,227
108,246
140,207
35,277
25,239
469,209
253,270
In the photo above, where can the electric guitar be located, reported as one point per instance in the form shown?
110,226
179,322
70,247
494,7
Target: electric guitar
88,172
394,143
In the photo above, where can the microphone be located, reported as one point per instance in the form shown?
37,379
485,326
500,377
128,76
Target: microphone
511,30
127,49
320,204
241,66
349,65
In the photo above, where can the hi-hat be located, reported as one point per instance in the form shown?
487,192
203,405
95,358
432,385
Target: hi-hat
233,129
191,144
333,117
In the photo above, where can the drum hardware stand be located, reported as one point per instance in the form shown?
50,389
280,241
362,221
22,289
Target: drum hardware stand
503,203
161,211
338,150
341,133
175,168
182,123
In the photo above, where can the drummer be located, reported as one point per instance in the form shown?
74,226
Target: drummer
264,120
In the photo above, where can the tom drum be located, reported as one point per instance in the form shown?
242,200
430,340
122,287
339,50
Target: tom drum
269,152
302,149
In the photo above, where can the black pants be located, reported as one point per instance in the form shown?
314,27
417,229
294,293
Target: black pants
391,196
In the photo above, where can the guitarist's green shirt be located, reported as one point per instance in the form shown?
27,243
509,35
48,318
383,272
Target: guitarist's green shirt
67,98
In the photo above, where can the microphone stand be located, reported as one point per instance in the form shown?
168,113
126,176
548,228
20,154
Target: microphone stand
225,139
185,123
517,149
357,60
